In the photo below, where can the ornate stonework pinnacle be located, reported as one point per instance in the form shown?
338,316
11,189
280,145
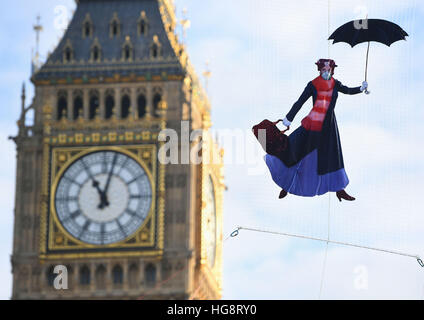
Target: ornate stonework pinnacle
222,152
80,118
47,109
163,105
206,119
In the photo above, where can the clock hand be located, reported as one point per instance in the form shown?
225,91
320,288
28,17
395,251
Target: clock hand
109,178
103,199
96,185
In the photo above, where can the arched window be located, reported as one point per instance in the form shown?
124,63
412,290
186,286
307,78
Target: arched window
118,276
141,106
70,275
155,47
150,275
68,55
78,107
95,53
101,277
155,51
127,53
143,27
50,276
94,105
68,52
133,276
84,276
143,24
125,106
127,50
157,98
110,105
87,29
114,26
62,106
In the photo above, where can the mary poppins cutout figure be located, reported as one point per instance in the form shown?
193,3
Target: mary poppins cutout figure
312,164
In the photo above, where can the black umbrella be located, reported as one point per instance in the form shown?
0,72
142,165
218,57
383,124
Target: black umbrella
367,30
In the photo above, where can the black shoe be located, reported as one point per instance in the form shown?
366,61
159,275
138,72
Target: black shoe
283,194
343,195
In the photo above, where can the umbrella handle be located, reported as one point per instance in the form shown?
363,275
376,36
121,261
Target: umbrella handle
366,67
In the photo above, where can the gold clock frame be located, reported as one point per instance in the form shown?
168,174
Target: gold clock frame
213,171
209,175
57,243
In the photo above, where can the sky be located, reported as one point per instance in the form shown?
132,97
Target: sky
261,55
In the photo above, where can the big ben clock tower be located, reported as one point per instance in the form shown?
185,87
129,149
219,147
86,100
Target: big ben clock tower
93,193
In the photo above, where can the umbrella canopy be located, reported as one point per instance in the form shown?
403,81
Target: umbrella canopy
367,30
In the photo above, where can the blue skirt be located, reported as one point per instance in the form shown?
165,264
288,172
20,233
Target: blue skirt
303,179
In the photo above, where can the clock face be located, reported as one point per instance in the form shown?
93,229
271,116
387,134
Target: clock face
210,222
103,197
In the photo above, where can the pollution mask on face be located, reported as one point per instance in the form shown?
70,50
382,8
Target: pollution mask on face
326,75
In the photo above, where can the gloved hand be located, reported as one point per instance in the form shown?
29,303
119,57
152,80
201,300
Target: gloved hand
364,86
286,122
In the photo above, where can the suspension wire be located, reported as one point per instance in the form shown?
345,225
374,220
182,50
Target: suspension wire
324,265
329,31
236,232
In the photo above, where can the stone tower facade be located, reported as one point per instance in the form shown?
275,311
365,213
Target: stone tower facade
99,208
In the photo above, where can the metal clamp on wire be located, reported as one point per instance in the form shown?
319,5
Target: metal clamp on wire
235,233
420,262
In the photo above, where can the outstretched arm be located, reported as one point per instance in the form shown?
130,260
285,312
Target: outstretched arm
307,93
356,90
